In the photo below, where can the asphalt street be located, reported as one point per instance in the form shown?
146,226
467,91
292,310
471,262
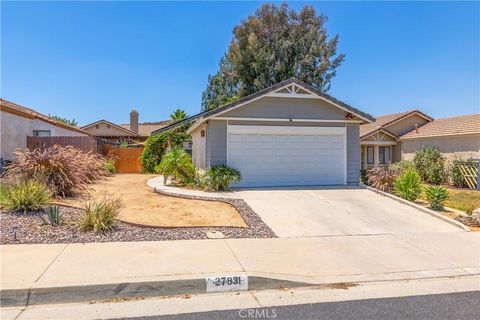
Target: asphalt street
464,305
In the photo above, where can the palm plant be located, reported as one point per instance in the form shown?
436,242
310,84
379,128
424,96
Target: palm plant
177,163
178,115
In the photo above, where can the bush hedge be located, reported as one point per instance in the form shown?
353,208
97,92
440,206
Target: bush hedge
430,165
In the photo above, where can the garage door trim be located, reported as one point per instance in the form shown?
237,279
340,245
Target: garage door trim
292,130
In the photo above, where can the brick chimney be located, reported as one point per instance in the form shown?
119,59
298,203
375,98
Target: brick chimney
134,121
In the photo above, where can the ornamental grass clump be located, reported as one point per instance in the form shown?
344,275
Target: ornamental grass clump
64,170
25,196
408,185
382,178
436,196
99,215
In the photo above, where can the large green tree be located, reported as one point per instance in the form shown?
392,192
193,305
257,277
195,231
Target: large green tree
272,45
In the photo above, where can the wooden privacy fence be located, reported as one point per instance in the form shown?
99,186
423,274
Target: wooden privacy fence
85,143
127,160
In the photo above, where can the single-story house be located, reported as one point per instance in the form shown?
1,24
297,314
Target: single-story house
396,137
132,132
286,135
18,122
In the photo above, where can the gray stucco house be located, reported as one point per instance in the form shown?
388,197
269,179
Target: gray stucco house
286,135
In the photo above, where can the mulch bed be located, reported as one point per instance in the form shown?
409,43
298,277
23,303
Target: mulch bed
20,228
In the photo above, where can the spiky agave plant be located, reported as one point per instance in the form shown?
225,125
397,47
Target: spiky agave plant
53,216
436,195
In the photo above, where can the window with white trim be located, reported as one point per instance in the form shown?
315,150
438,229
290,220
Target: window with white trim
369,155
384,155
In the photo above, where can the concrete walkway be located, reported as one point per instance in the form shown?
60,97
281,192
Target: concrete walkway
312,260
157,184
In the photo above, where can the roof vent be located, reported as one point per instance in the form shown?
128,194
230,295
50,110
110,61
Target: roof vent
416,127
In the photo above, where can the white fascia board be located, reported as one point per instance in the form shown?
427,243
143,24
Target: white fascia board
286,120
379,143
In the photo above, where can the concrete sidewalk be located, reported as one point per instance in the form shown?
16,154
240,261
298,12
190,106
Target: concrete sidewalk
314,260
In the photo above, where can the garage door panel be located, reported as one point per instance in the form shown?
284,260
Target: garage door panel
302,157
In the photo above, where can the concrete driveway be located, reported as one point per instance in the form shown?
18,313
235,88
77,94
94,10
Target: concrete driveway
292,212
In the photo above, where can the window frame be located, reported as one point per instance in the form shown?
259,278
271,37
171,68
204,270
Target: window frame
36,133
368,155
382,153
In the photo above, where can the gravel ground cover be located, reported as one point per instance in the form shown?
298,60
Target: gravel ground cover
19,228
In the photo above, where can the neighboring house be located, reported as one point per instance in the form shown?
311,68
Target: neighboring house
132,132
396,137
286,135
18,122
379,140
454,137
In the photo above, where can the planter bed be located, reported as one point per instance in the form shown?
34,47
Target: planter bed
29,229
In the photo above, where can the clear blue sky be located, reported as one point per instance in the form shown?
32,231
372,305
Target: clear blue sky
93,60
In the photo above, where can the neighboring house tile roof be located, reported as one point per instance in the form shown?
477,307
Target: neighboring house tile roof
208,113
384,121
468,124
126,130
25,112
145,129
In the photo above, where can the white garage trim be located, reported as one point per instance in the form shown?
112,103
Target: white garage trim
319,158
245,129
286,120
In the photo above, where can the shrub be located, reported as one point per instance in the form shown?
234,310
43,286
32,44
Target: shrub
177,163
157,145
408,185
430,165
26,196
53,216
436,196
219,178
99,214
363,176
63,169
110,165
456,175
402,166
382,178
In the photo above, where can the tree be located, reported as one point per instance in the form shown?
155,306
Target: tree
65,120
272,45
178,115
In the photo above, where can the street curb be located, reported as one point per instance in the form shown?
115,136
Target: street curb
418,207
102,292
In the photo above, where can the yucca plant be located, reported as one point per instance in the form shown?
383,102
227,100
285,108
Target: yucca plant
177,163
99,215
64,169
25,196
53,216
436,195
409,185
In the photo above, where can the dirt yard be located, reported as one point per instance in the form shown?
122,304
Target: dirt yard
143,206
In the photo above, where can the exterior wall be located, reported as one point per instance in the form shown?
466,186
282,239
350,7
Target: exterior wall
397,152
464,146
294,108
199,148
353,153
103,130
406,125
216,144
15,129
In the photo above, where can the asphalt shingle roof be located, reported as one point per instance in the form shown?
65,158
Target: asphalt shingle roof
468,124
